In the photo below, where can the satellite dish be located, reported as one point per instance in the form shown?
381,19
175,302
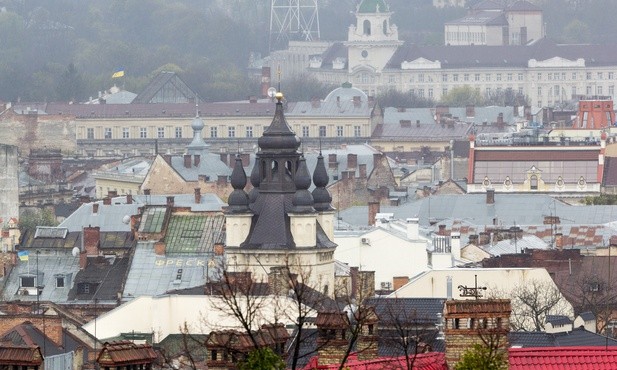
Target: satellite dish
75,251
272,92
126,219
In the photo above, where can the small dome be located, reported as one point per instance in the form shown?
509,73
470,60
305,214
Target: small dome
346,93
373,6
197,124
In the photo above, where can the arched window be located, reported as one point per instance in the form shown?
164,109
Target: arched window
533,182
367,27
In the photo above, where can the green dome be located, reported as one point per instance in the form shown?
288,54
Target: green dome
373,6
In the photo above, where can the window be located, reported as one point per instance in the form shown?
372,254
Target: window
539,76
364,78
27,281
231,131
520,77
160,132
563,76
178,134
599,90
305,131
143,132
420,77
600,75
574,76
322,131
356,131
476,77
455,77
339,131
213,132
588,75
520,91
573,90
59,281
107,133
444,77
466,77
125,132
421,93
509,76
487,77
444,91
90,133
611,75
430,93
539,92
498,77
589,90
249,131
84,288
533,182
550,77
611,90
557,90
392,79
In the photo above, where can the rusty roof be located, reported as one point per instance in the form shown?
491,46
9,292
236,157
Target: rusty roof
11,354
125,353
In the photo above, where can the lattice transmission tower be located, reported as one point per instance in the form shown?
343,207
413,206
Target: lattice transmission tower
293,20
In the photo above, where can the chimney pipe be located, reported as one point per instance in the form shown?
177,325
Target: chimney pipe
170,201
197,195
146,191
196,160
187,161
95,208
373,210
129,199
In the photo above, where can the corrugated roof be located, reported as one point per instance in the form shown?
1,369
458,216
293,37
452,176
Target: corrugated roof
559,358
126,353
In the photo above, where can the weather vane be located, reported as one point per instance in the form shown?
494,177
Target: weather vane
475,291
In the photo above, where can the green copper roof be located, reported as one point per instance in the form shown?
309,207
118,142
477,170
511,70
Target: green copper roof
372,6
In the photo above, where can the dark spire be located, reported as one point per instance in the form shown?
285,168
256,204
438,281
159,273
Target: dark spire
302,200
321,196
238,199
278,135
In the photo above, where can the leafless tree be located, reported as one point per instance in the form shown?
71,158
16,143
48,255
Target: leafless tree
533,301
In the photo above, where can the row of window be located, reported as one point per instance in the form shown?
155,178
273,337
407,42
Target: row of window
231,132
590,90
489,77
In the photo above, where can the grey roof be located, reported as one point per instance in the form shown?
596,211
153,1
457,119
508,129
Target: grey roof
508,56
511,246
152,274
558,320
425,132
50,265
344,108
209,165
489,18
417,310
587,316
524,6
363,152
112,217
508,210
167,80
576,337
104,275
120,97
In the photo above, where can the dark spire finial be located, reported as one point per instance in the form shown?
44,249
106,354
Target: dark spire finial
321,196
238,199
303,199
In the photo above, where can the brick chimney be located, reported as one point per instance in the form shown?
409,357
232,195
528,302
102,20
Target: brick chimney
107,201
559,241
362,170
170,201
246,159
146,191
196,160
112,193
332,336
376,159
490,196
167,158
187,161
468,322
83,260
221,180
352,161
197,195
399,281
373,210
160,248
92,240
485,238
95,208
129,199
224,158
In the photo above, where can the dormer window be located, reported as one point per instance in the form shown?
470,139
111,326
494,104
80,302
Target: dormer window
60,283
366,28
27,281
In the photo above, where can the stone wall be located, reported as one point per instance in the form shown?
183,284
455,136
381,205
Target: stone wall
9,193
35,132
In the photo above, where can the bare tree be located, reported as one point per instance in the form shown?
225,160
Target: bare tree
533,301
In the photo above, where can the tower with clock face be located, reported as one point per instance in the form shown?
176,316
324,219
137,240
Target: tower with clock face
371,42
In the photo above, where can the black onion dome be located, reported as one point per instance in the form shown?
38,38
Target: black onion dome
320,175
321,196
238,199
238,176
303,199
279,135
255,181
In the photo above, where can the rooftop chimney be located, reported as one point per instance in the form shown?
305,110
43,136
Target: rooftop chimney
470,111
362,170
107,201
112,193
92,238
187,161
146,191
352,161
332,161
197,195
413,230
129,199
170,201
373,210
95,208
196,160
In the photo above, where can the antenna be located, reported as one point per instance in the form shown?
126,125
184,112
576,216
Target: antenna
293,20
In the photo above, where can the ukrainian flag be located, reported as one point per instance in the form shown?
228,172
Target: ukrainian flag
117,74
23,255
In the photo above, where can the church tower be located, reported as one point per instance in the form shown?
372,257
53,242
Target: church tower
280,223
372,40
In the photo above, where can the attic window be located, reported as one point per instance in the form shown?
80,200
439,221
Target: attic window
59,281
27,282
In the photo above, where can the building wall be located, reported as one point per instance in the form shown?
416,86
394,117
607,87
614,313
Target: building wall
9,186
533,21
386,254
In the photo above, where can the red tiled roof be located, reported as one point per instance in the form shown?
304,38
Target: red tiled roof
20,355
563,358
422,361
126,352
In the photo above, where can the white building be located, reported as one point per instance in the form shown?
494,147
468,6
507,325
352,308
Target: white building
373,59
